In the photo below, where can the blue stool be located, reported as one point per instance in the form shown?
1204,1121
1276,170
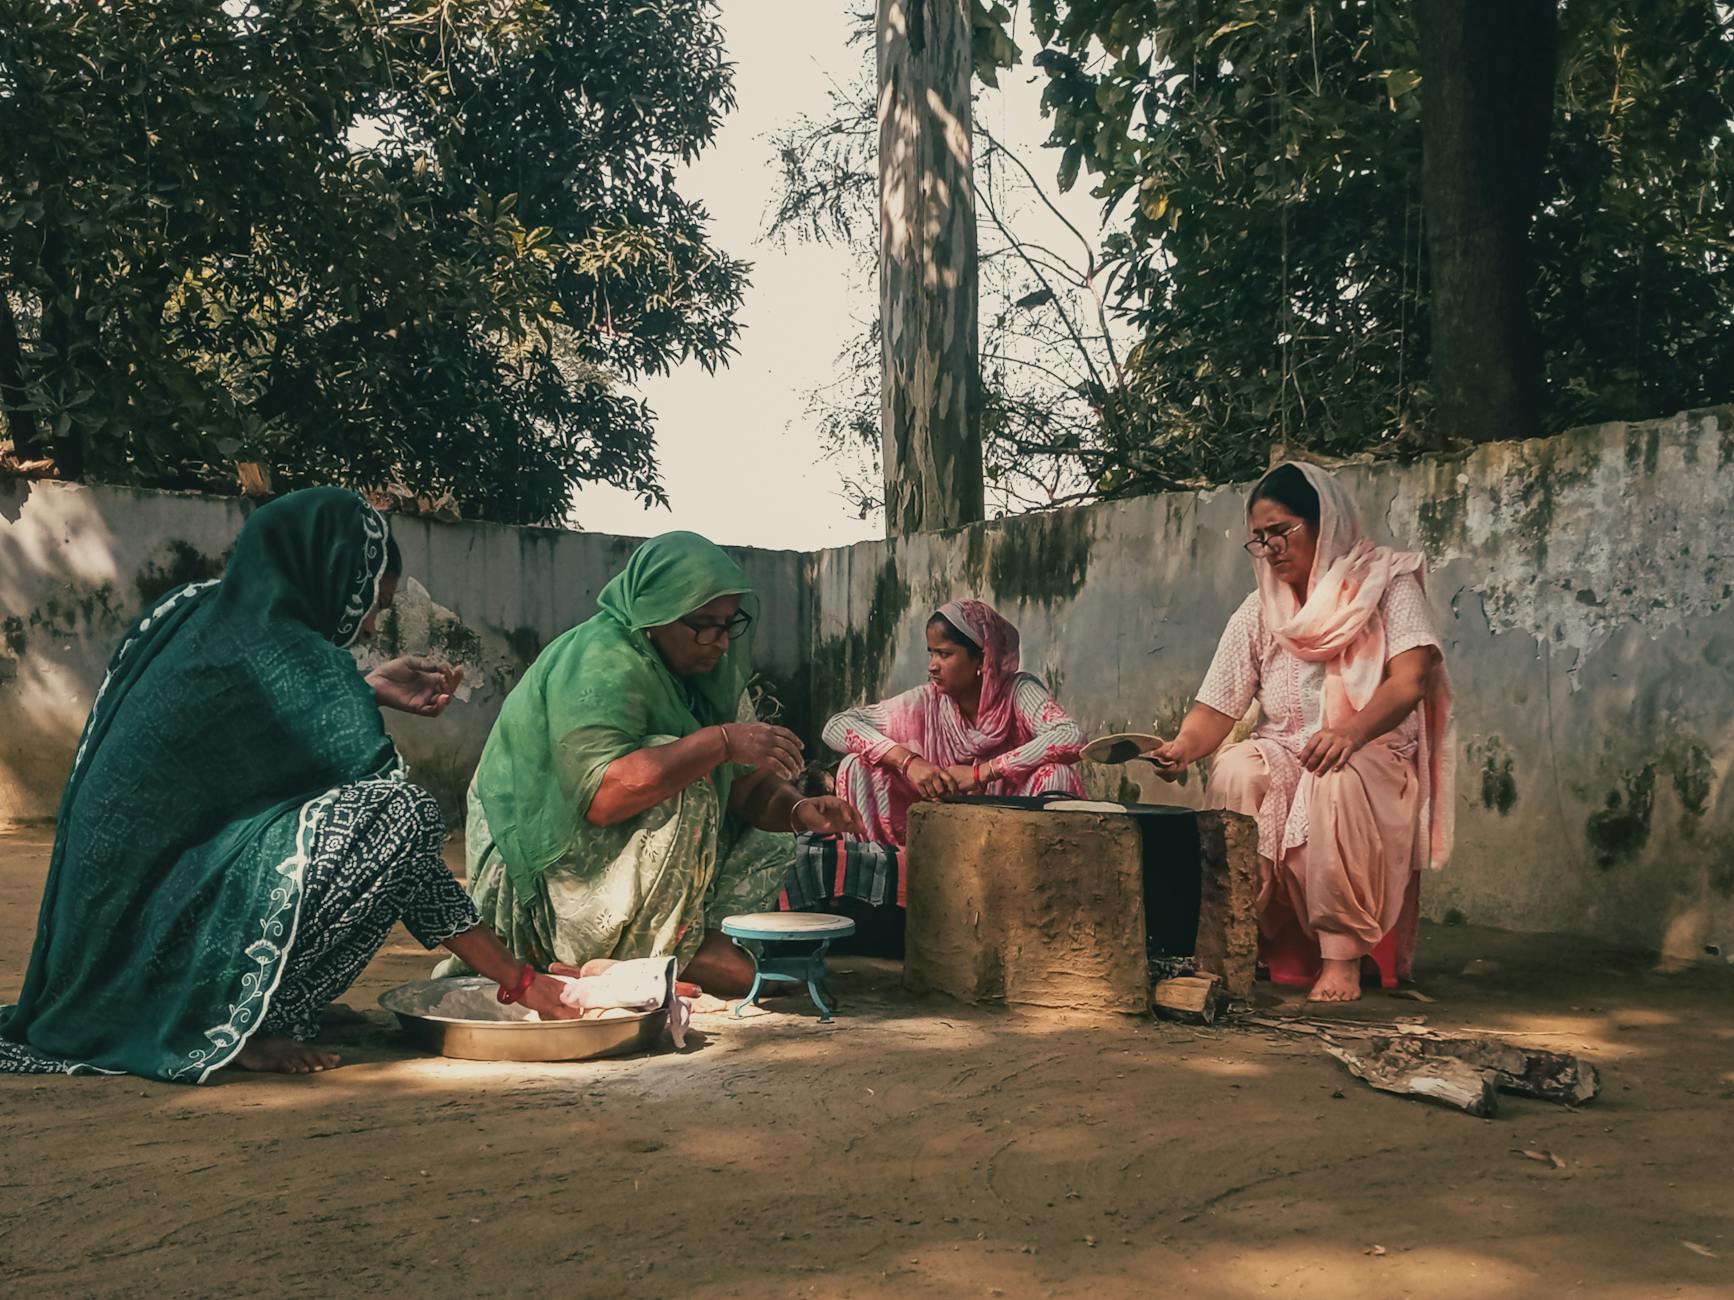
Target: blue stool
815,928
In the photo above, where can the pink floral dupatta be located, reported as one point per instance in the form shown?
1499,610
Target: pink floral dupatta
997,639
1340,626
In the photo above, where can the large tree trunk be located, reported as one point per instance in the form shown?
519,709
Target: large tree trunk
18,422
930,404
1487,78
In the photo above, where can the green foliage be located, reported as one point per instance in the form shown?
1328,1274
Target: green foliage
1260,164
360,241
991,44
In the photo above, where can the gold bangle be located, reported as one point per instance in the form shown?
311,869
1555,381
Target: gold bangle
728,745
797,808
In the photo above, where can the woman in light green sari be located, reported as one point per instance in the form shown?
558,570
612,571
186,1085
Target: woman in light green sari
627,800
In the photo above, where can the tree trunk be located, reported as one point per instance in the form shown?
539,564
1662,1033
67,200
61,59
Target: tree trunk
930,396
1487,79
18,422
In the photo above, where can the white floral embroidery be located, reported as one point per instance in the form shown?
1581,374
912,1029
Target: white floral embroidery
370,571
270,952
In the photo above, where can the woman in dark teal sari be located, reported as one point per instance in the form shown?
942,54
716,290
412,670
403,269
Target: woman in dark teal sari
236,837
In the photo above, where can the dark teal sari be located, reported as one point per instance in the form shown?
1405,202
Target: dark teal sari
230,714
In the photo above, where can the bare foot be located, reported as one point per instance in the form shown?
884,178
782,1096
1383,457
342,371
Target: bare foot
284,1056
720,968
1338,981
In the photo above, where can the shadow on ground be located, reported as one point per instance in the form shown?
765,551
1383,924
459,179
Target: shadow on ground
910,1149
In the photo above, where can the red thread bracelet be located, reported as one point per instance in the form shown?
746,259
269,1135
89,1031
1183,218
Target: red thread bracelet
526,977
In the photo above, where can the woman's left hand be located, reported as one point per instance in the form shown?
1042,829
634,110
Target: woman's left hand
1329,750
828,815
415,684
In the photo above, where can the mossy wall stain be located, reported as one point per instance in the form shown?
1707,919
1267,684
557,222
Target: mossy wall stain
456,642
78,612
1498,776
1644,448
850,668
1045,558
1537,520
1619,830
525,644
975,549
175,564
12,629
1694,776
1436,519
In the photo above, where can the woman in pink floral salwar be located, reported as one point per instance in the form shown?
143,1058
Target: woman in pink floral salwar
1349,772
979,726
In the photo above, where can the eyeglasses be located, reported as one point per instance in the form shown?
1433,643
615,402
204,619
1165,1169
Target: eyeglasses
1274,542
711,633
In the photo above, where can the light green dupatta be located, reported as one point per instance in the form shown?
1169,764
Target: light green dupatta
597,694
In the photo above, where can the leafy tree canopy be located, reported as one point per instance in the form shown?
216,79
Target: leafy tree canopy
1258,162
420,242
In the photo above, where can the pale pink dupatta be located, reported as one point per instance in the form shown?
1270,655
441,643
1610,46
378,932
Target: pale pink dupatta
1340,626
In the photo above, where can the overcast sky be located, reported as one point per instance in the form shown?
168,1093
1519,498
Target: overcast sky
739,458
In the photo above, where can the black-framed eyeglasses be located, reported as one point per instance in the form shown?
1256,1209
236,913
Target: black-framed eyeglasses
711,633
1274,542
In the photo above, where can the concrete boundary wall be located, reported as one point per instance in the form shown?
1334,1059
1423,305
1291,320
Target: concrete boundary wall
1585,586
78,564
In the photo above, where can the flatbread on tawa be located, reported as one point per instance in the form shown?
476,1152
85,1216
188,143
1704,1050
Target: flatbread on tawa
1084,805
1121,747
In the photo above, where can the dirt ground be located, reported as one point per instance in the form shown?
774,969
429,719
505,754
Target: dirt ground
909,1149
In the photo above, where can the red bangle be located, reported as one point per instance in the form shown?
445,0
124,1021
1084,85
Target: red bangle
903,767
977,770
526,977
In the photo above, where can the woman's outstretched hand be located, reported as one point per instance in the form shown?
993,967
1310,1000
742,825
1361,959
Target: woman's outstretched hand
1170,760
761,746
415,684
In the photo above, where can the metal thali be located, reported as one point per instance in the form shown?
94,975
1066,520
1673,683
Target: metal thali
493,1032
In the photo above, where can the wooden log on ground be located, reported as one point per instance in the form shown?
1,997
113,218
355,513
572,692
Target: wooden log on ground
1195,999
1442,1079
1529,1071
1424,1062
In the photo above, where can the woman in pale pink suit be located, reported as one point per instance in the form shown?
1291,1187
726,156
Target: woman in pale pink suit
979,726
1350,770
